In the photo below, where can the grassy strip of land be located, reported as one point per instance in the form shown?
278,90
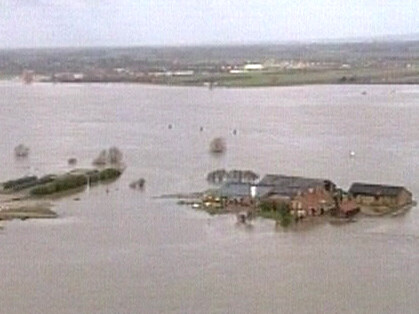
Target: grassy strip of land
5,77
17,197
73,181
27,212
299,77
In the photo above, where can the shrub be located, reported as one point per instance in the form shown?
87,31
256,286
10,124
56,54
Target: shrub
218,145
72,181
101,159
61,184
14,183
94,176
111,156
278,211
115,155
109,173
21,151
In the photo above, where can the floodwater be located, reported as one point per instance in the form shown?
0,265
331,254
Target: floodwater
126,252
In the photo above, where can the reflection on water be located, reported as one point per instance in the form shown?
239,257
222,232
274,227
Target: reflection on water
124,251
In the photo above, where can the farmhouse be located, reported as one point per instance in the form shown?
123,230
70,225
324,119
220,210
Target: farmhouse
312,196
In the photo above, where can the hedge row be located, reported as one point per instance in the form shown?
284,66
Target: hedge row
61,184
14,183
108,174
72,181
27,185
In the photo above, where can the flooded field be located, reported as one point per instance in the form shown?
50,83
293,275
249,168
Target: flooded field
118,250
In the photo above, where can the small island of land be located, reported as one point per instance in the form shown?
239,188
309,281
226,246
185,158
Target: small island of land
288,199
29,197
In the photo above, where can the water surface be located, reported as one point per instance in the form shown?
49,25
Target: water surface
125,252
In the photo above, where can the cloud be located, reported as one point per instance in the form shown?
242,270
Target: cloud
146,22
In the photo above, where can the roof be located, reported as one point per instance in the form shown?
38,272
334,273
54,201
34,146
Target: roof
281,185
286,191
290,185
234,190
263,190
238,189
375,189
291,181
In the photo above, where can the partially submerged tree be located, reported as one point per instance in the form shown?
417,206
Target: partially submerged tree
72,161
102,159
217,176
250,176
138,184
235,176
21,151
280,211
112,156
218,145
115,155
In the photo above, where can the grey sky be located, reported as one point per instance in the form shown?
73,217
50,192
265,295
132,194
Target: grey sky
50,23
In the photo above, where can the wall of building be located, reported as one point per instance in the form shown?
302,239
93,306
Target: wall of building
376,200
313,201
404,198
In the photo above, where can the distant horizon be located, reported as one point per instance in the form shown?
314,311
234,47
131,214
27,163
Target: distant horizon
385,38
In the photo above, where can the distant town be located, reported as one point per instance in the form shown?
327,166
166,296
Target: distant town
395,62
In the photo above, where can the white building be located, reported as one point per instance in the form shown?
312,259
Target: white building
253,67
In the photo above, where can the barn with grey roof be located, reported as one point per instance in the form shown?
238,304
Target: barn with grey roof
380,195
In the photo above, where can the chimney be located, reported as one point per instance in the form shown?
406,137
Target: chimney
253,191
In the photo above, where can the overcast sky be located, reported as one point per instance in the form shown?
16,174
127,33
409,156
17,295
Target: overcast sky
52,23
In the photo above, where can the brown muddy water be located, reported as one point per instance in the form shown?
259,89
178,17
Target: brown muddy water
125,252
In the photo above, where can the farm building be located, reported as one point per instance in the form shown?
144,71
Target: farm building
380,195
313,196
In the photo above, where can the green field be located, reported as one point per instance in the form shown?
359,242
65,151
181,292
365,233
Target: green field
302,77
5,77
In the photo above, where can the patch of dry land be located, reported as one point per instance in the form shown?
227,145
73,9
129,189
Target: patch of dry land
29,197
26,210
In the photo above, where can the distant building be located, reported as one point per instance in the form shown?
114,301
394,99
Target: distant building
237,71
380,195
68,77
184,73
78,77
253,67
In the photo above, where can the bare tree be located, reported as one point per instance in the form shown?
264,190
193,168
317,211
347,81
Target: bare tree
21,151
218,145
